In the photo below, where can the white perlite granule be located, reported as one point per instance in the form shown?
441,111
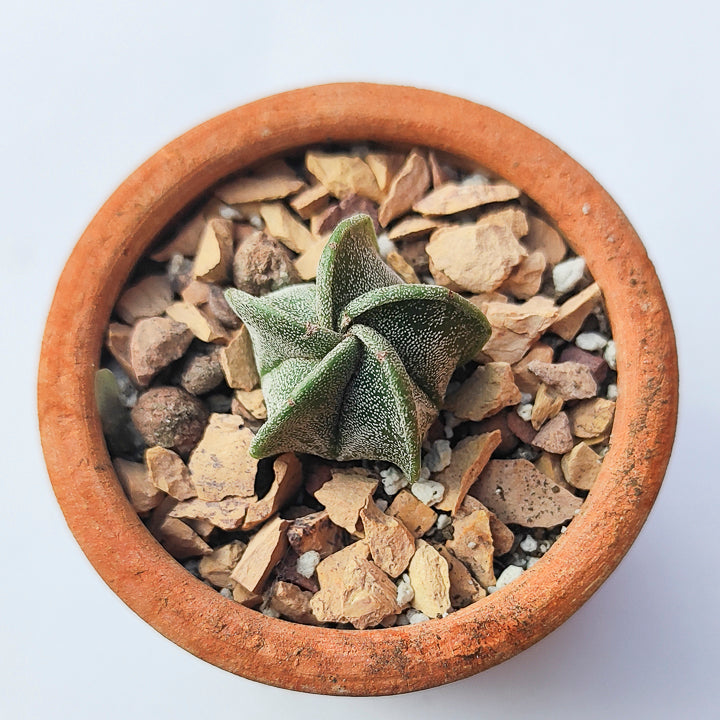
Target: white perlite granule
256,221
385,244
405,592
524,410
610,356
229,213
591,341
382,504
510,573
415,616
393,481
612,391
443,521
531,561
428,491
439,456
529,544
475,178
566,275
226,592
307,562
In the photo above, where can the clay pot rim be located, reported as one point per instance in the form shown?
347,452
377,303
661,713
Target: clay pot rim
322,660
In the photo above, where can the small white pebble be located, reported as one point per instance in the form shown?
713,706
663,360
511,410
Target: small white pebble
602,452
491,589
428,280
544,547
415,616
393,481
531,561
256,221
612,392
382,504
307,562
442,521
402,620
610,355
385,244
524,410
472,544
529,544
510,573
567,274
405,592
229,213
226,592
526,398
586,209
563,530
591,341
475,179
439,456
449,432
428,491
270,612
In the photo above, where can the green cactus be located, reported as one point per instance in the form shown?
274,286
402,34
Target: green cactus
356,366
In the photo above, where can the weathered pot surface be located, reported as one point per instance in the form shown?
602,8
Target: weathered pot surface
370,662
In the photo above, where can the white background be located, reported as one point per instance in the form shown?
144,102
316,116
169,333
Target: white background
90,89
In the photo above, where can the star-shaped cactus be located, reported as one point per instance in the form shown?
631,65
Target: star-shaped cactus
356,365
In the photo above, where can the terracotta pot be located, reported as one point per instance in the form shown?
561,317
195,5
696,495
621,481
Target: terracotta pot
370,662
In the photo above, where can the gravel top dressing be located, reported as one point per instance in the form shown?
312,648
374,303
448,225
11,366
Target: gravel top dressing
502,443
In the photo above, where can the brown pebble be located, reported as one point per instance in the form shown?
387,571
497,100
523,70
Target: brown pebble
555,436
201,373
571,380
315,532
326,221
597,365
521,428
170,417
155,342
261,264
218,307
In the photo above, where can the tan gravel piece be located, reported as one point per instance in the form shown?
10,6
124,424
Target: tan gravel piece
263,552
282,225
516,327
356,591
245,597
238,362
402,267
272,181
343,175
253,401
430,579
334,563
217,566
581,466
472,544
286,483
133,477
117,341
526,381
476,257
464,589
176,536
574,311
591,418
525,280
155,343
572,381
544,238
345,496
452,197
310,201
414,226
204,327
407,186
468,459
391,543
213,260
503,537
385,166
306,264
549,464
226,514
441,172
520,494
221,465
489,389
196,293
315,532
292,602
548,403
147,298
184,242
555,436
168,472
415,515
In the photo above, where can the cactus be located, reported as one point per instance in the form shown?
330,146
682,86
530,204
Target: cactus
356,365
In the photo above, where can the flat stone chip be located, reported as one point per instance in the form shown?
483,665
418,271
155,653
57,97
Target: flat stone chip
430,579
384,165
489,389
272,181
217,566
238,362
310,201
415,515
464,589
227,514
143,495
526,381
591,418
155,343
203,326
286,483
221,465
391,543
147,298
547,404
525,280
215,252
472,543
282,225
345,496
555,436
263,552
315,532
574,311
571,380
343,175
520,494
452,198
581,466
502,536
468,459
546,239
408,186
402,267
168,472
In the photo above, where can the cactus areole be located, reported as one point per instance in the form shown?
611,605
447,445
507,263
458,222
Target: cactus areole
356,365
